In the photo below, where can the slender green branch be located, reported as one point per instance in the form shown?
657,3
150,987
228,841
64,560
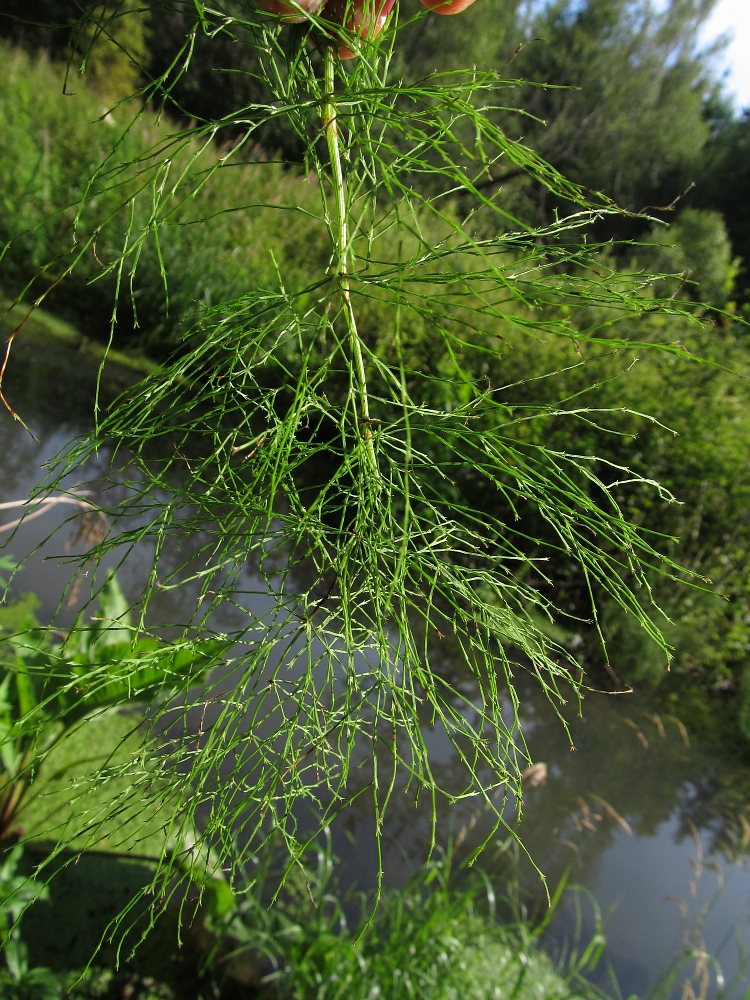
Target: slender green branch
330,125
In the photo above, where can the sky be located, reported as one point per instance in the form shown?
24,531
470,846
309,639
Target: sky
733,16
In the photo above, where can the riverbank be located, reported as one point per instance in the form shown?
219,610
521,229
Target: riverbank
35,328
432,939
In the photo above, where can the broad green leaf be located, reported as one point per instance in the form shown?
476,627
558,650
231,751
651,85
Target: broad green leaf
123,672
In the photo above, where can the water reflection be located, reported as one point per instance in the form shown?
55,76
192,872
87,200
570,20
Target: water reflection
50,386
635,814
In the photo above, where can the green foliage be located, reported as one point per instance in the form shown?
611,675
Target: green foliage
17,893
61,140
396,417
744,712
352,429
225,75
111,48
6,566
697,247
63,928
723,180
639,87
104,44
617,90
436,939
46,688
694,443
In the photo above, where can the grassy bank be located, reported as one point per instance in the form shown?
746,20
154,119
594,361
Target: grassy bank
36,326
433,940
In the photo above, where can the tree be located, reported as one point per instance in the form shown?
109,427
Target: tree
723,184
634,115
620,87
100,39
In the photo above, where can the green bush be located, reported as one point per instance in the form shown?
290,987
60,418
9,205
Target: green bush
697,246
214,254
435,939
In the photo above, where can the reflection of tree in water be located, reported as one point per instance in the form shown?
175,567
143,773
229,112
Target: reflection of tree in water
52,388
52,385
632,771
717,806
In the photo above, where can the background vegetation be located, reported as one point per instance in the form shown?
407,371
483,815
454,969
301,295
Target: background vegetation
588,393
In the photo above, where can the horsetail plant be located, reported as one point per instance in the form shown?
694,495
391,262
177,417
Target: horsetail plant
335,466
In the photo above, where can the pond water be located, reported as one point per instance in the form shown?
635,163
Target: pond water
654,829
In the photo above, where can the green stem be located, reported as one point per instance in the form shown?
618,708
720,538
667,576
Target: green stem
343,275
